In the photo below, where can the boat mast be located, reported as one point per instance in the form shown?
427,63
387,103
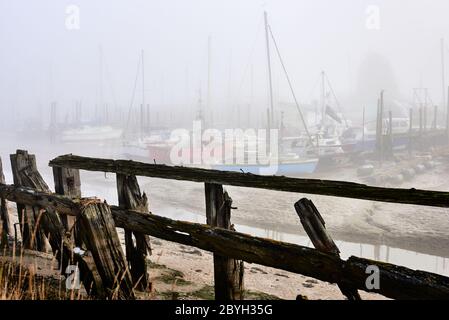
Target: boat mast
291,88
209,56
142,111
271,119
443,78
100,80
323,99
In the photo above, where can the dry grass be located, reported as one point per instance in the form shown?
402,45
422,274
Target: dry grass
30,275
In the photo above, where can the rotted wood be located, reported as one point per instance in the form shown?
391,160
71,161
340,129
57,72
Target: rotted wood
5,223
315,227
279,183
101,239
52,225
67,255
25,174
228,273
396,282
130,197
67,182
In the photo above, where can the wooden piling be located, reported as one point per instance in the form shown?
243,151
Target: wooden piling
130,197
314,225
101,239
5,224
390,134
228,273
435,117
410,131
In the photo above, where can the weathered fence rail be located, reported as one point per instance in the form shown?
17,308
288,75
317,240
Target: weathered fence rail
111,273
397,282
279,183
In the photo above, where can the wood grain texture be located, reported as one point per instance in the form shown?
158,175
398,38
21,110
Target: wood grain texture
279,183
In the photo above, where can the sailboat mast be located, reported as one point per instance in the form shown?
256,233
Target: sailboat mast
209,56
323,98
142,109
269,68
443,78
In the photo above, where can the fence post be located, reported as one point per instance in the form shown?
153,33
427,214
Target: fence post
101,239
25,174
228,273
5,225
130,197
68,183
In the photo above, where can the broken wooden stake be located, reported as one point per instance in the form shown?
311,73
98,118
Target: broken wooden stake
67,182
101,238
25,174
228,273
5,225
314,225
130,197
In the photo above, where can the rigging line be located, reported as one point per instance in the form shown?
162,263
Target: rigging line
291,87
249,58
134,93
313,89
336,99
111,87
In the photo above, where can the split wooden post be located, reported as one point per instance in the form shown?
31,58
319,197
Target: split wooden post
314,225
130,197
68,183
101,239
228,273
25,174
5,224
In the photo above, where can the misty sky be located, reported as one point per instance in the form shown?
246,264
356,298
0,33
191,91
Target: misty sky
41,60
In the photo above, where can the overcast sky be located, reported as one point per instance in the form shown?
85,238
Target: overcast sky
42,60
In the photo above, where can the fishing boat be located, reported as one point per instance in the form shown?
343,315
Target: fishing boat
363,138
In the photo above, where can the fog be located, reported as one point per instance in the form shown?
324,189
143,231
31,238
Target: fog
117,79
43,61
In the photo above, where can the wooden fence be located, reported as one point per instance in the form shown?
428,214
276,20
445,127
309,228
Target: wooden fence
108,272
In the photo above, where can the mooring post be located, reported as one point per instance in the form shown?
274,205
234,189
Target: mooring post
410,131
228,273
5,225
314,225
435,113
130,197
420,126
390,133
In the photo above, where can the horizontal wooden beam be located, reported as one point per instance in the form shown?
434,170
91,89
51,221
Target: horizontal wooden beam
32,197
279,183
394,281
